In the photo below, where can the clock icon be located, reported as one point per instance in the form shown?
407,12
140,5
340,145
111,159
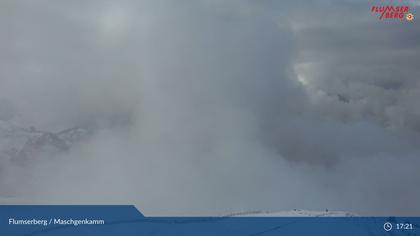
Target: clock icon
387,226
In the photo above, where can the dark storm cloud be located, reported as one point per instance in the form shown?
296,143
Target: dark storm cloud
227,106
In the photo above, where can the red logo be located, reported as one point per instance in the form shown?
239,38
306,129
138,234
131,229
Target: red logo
392,12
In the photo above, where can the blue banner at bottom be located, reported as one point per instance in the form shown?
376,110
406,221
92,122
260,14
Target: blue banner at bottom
127,220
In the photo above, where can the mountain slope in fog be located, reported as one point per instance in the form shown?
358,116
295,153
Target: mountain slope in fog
19,144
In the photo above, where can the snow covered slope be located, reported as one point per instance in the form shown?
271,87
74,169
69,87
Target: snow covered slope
294,213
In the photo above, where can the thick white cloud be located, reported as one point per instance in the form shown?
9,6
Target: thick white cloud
220,106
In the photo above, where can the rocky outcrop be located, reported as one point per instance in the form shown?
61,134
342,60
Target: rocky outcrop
20,144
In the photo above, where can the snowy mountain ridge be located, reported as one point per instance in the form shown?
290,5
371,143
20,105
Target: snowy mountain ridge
19,144
293,213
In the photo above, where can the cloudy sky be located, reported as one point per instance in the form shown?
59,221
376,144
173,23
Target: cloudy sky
211,107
